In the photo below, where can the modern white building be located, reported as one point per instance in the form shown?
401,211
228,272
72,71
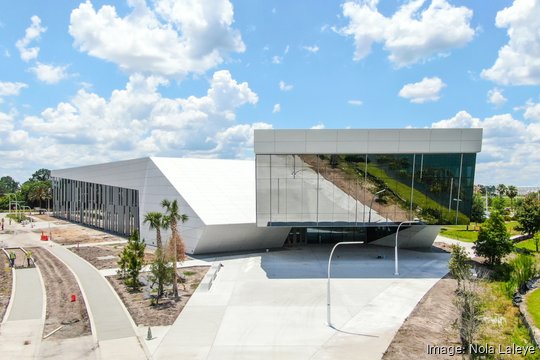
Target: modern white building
305,186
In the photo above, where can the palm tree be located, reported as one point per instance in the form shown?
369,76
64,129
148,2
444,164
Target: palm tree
501,189
156,221
171,218
39,191
511,192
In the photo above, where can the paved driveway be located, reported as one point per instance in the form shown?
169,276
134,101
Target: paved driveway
273,305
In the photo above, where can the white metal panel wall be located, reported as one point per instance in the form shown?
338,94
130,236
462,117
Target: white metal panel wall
367,141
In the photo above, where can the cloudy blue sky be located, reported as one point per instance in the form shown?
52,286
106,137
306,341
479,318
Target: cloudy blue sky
95,81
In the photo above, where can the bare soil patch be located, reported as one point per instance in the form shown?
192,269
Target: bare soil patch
106,256
6,280
60,285
44,217
73,234
430,323
139,305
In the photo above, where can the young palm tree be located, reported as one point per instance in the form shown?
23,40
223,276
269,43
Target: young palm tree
171,218
156,221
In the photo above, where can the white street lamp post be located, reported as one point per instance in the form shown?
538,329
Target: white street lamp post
396,270
328,317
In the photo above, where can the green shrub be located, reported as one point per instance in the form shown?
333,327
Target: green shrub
459,264
523,269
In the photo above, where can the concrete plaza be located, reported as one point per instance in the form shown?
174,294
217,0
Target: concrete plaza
273,305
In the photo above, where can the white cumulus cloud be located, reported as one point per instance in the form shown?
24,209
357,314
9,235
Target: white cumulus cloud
11,88
138,121
532,111
426,90
509,145
495,96
312,49
276,109
172,39
32,33
355,102
319,125
49,74
413,33
284,86
518,62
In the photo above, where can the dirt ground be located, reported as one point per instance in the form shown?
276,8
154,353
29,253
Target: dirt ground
60,284
430,323
5,284
72,234
105,256
138,303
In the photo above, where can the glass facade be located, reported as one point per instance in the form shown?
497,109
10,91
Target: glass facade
105,207
329,190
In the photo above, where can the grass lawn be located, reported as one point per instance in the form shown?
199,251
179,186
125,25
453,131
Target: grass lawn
527,244
533,306
460,232
502,323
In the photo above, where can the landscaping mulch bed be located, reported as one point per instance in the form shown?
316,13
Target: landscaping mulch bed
60,285
106,256
430,323
6,280
139,305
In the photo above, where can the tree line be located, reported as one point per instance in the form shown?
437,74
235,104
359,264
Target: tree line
35,192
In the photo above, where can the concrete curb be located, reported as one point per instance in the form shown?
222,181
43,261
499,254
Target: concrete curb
88,310
210,276
528,321
43,310
134,327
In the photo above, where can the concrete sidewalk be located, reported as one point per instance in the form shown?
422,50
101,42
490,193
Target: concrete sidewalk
20,335
111,323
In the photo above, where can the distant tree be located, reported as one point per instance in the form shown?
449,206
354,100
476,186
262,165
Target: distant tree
478,209
161,273
493,239
156,221
176,245
491,189
39,191
132,260
498,204
528,215
8,185
501,189
41,175
511,192
481,189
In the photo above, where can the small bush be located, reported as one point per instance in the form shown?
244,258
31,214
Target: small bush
523,269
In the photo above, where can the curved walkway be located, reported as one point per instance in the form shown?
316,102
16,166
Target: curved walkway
112,327
20,334
110,322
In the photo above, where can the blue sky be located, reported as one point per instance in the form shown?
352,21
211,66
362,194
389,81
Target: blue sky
96,81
